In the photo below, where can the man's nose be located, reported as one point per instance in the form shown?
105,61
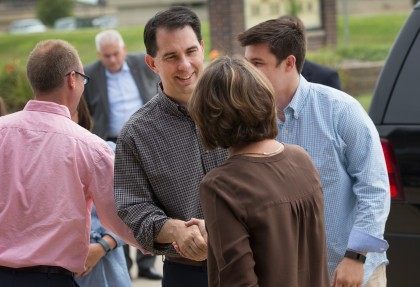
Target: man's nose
184,63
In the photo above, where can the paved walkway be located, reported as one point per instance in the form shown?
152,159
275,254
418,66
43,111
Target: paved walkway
144,282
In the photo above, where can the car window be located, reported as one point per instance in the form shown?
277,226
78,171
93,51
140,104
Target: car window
404,106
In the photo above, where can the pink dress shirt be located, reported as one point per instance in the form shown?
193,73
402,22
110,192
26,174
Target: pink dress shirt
50,171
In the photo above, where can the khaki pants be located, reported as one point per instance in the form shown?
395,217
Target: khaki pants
378,278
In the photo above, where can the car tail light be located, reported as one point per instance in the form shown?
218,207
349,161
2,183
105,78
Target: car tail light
393,174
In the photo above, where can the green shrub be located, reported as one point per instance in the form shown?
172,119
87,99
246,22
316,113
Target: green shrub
15,89
50,10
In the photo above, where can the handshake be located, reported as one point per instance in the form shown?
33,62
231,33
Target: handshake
190,239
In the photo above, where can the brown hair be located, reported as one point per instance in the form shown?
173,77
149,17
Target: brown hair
3,109
285,36
84,119
48,64
233,104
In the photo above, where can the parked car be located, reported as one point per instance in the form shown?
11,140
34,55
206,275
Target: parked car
105,22
395,110
65,23
26,26
73,23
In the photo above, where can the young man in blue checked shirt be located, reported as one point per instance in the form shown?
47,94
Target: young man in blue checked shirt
344,145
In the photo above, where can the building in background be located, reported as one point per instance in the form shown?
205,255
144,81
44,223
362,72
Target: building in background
230,17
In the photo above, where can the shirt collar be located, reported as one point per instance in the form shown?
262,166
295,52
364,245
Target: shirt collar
124,68
299,98
47,107
170,105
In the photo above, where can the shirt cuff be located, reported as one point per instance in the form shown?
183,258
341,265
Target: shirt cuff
116,239
363,242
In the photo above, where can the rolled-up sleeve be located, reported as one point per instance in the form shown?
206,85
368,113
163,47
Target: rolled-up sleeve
134,197
367,168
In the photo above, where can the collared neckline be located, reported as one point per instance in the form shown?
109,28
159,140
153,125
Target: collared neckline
48,107
124,68
299,97
170,105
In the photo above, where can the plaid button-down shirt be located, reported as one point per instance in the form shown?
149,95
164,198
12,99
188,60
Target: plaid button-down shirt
159,164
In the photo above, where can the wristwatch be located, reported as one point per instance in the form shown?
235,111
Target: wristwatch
355,256
104,245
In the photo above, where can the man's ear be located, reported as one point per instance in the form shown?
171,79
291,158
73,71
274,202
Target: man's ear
290,63
71,80
150,61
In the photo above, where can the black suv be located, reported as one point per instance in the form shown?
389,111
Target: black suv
395,110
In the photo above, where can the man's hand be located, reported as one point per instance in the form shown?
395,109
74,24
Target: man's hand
349,273
95,253
201,226
187,240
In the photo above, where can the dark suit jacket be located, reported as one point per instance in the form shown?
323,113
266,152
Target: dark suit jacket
316,73
96,91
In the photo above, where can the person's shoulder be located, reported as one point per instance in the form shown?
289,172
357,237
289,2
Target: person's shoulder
93,67
136,59
329,95
136,56
88,139
224,172
296,151
216,179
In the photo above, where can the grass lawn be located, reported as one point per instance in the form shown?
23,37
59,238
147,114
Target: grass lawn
370,38
15,48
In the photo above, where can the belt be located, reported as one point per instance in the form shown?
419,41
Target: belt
186,261
39,269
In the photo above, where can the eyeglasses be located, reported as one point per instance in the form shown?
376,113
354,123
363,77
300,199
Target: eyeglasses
86,79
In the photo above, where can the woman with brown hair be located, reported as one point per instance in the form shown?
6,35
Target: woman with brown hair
263,207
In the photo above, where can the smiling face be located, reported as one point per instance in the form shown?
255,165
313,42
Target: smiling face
178,62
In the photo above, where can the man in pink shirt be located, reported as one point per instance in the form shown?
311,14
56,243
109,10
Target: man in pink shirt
51,170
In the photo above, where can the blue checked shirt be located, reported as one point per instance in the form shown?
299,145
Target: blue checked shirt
345,147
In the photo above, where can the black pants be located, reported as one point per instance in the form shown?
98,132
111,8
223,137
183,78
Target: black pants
10,278
181,275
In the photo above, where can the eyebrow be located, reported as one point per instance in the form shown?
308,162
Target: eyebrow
255,59
174,53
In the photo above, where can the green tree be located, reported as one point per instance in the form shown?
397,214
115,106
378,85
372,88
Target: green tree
50,10
295,7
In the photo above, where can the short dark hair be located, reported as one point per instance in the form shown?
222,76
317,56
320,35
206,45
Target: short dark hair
48,64
233,104
176,17
285,36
